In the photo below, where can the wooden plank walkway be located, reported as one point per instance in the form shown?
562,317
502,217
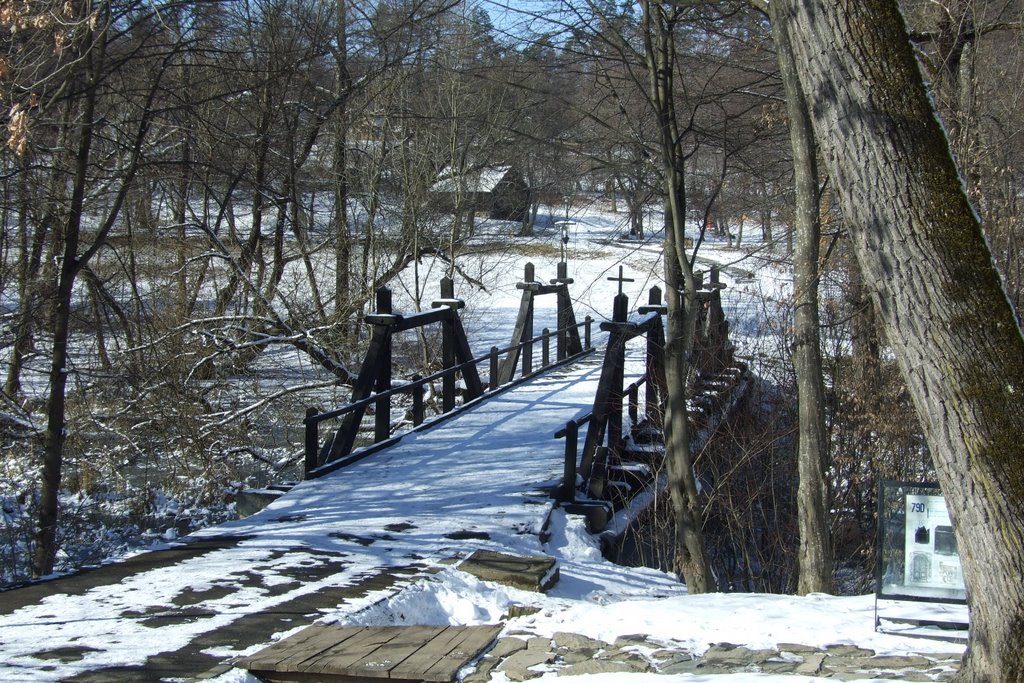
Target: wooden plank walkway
351,654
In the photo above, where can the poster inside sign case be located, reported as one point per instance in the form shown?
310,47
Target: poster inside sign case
917,552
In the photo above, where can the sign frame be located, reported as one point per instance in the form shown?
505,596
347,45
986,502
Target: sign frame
913,520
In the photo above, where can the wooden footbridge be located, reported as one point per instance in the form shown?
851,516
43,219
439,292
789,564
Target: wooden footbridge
474,488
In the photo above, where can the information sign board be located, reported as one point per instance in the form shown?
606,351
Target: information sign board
917,551
932,560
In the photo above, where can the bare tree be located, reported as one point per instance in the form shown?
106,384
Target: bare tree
815,555
938,294
970,51
681,284
82,99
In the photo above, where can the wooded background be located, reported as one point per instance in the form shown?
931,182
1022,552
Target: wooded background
188,186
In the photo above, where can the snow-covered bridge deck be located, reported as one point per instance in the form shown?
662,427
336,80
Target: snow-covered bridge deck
480,480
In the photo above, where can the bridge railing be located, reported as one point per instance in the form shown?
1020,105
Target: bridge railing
604,444
604,440
316,462
571,433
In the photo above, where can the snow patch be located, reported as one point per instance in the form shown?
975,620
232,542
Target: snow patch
449,598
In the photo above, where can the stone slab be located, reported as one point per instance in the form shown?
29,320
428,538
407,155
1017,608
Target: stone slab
519,666
598,666
507,646
811,665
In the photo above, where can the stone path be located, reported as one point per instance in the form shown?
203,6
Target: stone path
522,657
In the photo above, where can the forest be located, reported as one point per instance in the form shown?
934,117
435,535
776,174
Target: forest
191,188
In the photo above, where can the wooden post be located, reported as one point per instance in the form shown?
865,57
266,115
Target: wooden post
448,362
588,322
597,480
545,351
605,399
569,334
312,440
615,396
382,416
493,369
464,356
527,358
447,349
344,439
620,314
455,349
383,301
572,435
417,400
527,336
634,404
654,370
620,309
565,319
657,391
523,329
447,288
562,333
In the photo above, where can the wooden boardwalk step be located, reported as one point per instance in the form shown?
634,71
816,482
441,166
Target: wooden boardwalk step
533,573
368,654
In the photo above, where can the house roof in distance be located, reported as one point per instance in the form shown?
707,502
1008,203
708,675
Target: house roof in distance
479,179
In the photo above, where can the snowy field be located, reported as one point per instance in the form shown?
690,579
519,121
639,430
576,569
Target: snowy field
758,284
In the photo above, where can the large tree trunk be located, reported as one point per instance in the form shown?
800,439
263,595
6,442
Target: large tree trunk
937,292
815,553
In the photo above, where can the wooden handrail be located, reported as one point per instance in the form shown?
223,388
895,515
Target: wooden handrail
571,433
605,420
314,418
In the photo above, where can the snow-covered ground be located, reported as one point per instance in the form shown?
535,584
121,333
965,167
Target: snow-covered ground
384,513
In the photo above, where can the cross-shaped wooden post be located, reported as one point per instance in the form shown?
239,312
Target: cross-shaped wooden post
620,279
620,310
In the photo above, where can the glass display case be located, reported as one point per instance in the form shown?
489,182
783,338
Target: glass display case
917,557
